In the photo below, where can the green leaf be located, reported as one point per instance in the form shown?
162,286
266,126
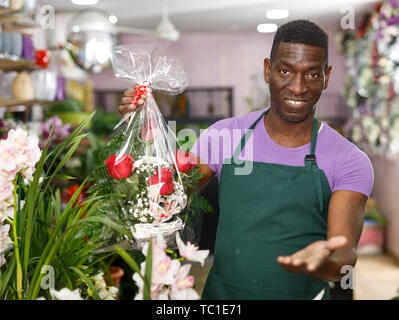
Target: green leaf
148,273
64,177
129,260
107,221
133,179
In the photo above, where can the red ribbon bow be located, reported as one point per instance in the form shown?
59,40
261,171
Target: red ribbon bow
138,92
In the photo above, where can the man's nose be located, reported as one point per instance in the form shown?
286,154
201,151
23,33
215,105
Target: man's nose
297,85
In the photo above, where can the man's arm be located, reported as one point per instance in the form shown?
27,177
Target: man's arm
206,171
324,259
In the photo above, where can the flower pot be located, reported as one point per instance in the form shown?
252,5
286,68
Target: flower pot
73,118
372,239
116,275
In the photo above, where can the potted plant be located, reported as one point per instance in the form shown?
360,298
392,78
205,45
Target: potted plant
372,238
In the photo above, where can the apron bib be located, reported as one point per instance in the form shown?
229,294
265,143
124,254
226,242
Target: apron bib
275,210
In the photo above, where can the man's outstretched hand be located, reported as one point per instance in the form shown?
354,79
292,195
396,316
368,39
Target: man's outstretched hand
312,258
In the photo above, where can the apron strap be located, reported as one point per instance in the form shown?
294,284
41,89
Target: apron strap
245,137
310,162
310,159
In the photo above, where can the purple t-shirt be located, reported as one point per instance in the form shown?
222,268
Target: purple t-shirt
345,165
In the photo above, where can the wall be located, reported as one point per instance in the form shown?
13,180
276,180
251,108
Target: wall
386,192
230,59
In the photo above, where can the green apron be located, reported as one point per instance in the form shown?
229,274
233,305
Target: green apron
275,210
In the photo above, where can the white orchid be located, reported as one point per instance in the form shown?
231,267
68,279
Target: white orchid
6,191
170,279
65,294
182,288
10,160
190,251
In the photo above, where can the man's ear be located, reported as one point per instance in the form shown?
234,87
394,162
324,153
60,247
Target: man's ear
267,65
327,76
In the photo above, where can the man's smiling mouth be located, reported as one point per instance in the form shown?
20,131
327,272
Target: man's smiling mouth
295,103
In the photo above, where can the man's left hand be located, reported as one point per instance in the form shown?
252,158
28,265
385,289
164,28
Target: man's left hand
310,259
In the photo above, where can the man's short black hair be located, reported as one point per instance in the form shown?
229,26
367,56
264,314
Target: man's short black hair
300,31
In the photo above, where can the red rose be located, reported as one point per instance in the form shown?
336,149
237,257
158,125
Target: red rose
121,167
165,176
185,161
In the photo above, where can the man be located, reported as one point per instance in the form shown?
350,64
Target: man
289,224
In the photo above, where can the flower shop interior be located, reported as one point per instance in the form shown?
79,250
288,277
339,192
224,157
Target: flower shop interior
56,70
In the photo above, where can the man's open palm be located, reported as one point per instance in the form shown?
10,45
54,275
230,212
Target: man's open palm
311,258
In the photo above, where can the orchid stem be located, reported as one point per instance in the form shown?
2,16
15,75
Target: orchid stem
16,245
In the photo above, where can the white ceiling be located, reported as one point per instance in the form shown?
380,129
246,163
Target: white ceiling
219,15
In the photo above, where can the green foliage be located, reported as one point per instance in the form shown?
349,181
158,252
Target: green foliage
373,213
103,123
67,105
52,234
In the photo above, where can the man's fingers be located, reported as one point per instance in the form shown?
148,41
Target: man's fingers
124,109
129,92
127,100
284,259
336,242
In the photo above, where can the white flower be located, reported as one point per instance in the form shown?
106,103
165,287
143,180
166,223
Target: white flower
7,175
28,173
19,139
6,191
100,284
65,294
99,277
113,291
103,293
182,289
4,230
163,294
191,252
9,159
8,212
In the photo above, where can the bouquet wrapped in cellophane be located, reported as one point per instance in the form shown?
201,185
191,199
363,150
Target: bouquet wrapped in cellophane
145,164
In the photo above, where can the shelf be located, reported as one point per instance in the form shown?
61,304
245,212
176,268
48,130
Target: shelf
7,64
4,11
19,26
19,102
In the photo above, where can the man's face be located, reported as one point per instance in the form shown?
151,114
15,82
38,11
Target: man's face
296,79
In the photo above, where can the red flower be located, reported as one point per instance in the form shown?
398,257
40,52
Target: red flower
165,177
185,161
121,167
69,192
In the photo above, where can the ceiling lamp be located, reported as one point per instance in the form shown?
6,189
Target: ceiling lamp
277,14
84,2
266,27
113,19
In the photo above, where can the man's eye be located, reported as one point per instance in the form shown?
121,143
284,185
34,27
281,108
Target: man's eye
314,75
284,71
